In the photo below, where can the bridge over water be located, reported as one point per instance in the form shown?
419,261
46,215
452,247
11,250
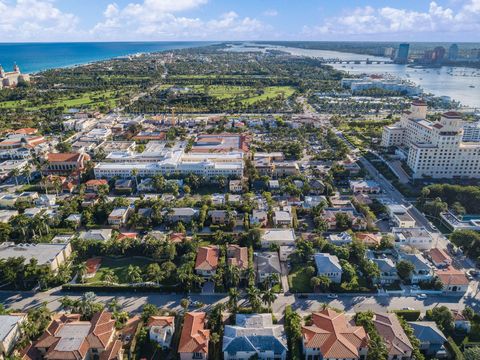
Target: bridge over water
355,61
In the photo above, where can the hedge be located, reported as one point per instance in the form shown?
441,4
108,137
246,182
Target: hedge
454,350
408,315
115,288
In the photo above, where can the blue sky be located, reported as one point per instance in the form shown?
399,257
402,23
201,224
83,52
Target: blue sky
105,20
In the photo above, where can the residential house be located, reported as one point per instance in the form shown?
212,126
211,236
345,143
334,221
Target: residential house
332,337
280,237
461,322
65,163
391,331
161,330
400,216
267,264
316,186
184,215
235,186
418,237
454,281
311,201
222,217
342,238
146,185
93,185
439,258
68,337
46,200
97,234
363,199
329,266
259,217
422,270
50,255
10,332
387,267
369,239
273,184
123,185
194,337
254,335
357,220
282,218
119,216
6,215
74,219
431,338
365,186
207,260
237,256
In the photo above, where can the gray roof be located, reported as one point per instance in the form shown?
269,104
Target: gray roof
7,324
267,262
327,263
427,331
385,265
254,333
97,234
417,260
44,253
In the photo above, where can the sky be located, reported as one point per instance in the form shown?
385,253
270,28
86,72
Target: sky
187,20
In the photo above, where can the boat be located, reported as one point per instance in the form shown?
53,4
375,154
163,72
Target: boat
472,86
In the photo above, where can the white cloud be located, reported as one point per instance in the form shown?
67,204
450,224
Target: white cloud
390,21
270,12
158,20
33,20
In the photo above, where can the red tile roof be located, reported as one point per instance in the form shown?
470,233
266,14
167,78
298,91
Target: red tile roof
93,264
64,157
194,337
94,182
207,257
452,276
334,336
160,321
237,256
439,256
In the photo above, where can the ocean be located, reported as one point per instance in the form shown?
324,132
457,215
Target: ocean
35,57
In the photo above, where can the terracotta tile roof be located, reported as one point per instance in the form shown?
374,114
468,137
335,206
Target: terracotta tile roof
334,336
452,114
113,351
452,276
439,256
207,257
131,235
161,321
64,157
391,331
26,131
237,256
176,237
419,103
95,182
103,326
93,264
194,337
458,316
369,238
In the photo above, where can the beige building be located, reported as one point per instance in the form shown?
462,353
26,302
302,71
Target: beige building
434,149
10,332
12,78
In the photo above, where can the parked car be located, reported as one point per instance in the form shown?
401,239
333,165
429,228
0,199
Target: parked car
332,296
422,296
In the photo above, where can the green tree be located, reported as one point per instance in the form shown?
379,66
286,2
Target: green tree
443,318
268,297
472,353
405,269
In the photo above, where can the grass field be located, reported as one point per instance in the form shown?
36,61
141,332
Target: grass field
246,94
119,267
299,281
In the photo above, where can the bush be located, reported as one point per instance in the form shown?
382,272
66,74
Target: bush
115,288
408,315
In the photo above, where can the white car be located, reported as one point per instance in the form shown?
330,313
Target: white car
422,296
332,296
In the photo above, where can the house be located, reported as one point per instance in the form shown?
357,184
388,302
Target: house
273,184
400,216
356,219
363,199
46,200
65,163
431,338
391,331
365,186
119,216
8,201
75,219
237,256
422,270
329,266
184,215
235,186
10,332
123,185
312,201
97,234
461,322
259,217
282,218
207,260
266,264
316,186
342,238
332,337
222,217
454,281
146,185
418,237
439,258
68,337
278,237
194,337
285,251
49,255
93,185
254,335
6,215
161,330
369,239
388,270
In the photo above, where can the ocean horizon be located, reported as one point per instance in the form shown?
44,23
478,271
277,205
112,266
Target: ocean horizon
36,57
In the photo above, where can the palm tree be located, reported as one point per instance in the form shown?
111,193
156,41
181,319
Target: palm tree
155,273
134,173
268,297
233,295
215,339
254,297
15,174
66,303
113,304
27,172
82,271
109,276
234,275
134,274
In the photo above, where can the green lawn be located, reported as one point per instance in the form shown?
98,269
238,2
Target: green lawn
119,267
247,94
299,281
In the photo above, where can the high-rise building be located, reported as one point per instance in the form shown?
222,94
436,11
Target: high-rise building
453,52
438,54
402,54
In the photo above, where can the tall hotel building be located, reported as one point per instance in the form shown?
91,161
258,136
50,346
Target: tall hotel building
434,149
